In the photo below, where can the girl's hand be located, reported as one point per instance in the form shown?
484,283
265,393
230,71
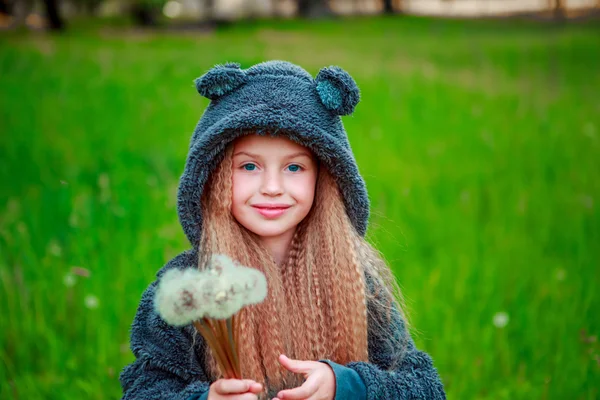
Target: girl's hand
234,389
319,383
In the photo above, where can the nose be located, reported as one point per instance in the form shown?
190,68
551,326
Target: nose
271,184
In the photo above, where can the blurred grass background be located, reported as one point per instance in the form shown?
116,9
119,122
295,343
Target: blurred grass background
479,142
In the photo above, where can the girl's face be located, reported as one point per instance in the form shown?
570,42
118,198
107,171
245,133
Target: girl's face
273,184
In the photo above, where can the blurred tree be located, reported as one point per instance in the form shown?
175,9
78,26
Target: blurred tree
558,7
313,8
146,12
388,7
392,6
55,21
5,7
90,6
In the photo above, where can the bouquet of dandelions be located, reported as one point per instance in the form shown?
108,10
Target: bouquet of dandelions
211,301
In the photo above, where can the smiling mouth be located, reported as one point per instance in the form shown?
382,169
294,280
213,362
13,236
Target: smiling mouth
271,212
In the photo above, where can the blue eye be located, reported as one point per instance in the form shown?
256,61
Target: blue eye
295,168
249,165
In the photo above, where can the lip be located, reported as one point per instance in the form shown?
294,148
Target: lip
271,205
271,210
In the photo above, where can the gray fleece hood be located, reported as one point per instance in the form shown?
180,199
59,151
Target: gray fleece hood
276,98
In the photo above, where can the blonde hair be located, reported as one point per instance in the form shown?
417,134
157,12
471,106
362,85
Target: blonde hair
316,307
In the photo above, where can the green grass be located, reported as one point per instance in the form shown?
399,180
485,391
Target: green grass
479,142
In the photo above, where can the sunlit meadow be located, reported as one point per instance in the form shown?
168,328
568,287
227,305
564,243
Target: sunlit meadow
479,142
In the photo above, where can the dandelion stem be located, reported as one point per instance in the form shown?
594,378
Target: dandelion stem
222,326
236,363
221,338
212,340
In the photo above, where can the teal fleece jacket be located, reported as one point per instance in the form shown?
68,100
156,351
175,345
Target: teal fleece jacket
168,364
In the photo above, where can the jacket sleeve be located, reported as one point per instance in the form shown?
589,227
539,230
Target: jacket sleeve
167,364
396,369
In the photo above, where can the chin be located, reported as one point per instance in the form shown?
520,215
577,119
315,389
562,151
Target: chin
275,231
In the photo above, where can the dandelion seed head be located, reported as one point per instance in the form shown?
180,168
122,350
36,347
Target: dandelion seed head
54,248
500,319
222,297
221,264
91,302
218,292
255,286
69,280
177,299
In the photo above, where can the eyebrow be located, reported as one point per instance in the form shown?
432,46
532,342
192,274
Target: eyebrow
297,154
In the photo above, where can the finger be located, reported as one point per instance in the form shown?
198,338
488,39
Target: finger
232,386
247,396
255,388
297,366
302,392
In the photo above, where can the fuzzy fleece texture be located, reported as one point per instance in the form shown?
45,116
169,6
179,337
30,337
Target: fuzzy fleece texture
169,360
280,98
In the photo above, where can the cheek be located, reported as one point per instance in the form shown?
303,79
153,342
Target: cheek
306,191
239,190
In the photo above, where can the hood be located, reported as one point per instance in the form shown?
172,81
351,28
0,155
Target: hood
277,98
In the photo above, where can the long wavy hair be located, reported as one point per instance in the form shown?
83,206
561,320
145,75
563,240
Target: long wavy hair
316,307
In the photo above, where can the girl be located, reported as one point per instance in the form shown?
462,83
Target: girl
271,181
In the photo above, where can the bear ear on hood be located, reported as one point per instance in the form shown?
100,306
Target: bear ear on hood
220,80
337,90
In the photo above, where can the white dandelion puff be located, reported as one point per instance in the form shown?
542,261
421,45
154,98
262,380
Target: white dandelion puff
223,300
255,286
54,248
222,265
219,292
91,302
249,285
500,319
69,280
178,299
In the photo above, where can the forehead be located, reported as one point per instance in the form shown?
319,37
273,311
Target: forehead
258,144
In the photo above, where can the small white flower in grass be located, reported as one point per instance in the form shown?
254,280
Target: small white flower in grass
91,301
500,319
54,248
69,280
